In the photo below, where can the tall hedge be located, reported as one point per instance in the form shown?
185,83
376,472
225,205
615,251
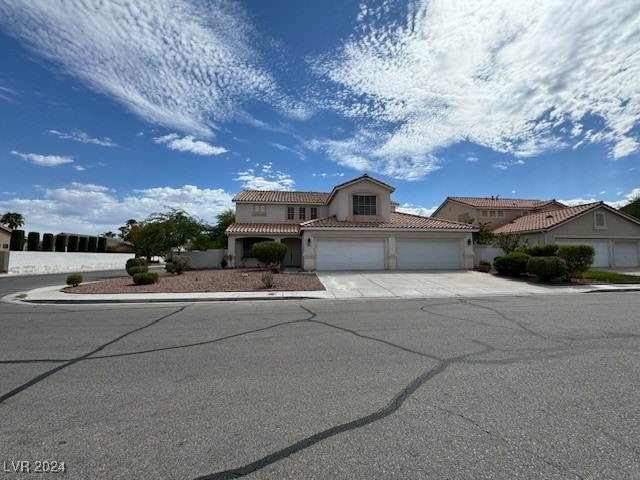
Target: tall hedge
61,242
17,240
47,242
269,252
83,244
512,264
93,244
542,250
102,244
72,243
33,241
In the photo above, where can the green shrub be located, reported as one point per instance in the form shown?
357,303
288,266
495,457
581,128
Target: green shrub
61,242
92,245
74,279
72,243
578,258
178,265
135,263
269,253
145,278
512,264
267,278
102,244
33,241
547,268
542,250
17,240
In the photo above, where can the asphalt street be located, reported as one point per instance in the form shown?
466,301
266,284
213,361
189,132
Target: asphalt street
461,388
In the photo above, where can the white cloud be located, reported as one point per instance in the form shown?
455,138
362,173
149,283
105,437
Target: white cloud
519,77
415,209
83,137
43,160
94,209
189,144
184,64
267,180
625,200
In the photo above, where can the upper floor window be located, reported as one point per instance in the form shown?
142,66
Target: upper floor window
291,215
492,213
302,213
259,209
314,213
364,205
599,221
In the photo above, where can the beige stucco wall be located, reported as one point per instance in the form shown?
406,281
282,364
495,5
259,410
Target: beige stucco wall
275,213
584,226
5,238
341,204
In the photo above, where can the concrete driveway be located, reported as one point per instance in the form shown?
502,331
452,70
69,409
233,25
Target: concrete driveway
426,284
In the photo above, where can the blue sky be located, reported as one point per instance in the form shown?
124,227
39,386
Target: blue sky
118,109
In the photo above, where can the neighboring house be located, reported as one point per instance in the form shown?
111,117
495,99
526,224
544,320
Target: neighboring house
614,235
353,227
5,237
493,211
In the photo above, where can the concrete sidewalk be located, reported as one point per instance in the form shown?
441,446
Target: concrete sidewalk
344,285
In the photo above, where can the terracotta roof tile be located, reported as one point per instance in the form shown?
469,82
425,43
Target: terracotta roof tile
544,220
265,228
277,196
398,220
479,202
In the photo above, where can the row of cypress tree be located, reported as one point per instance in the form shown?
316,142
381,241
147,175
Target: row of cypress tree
57,243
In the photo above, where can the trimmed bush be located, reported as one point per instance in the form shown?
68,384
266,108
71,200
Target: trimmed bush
83,244
542,250
47,242
178,265
134,263
578,258
17,240
72,243
102,244
146,278
61,242
512,264
92,244
74,279
33,241
269,253
547,268
139,269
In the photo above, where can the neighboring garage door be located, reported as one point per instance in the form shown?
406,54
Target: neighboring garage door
343,255
601,247
429,255
626,254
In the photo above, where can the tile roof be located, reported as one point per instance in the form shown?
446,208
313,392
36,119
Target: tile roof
278,196
479,202
545,220
398,220
265,228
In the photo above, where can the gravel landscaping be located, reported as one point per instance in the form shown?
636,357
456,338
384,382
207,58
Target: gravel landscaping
227,280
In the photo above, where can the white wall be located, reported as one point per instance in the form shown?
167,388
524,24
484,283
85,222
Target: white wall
203,259
484,253
60,262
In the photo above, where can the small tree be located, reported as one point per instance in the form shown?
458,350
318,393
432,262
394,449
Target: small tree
92,245
508,242
270,253
61,242
484,235
578,258
72,243
12,220
102,244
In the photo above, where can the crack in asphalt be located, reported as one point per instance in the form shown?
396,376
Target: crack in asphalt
39,378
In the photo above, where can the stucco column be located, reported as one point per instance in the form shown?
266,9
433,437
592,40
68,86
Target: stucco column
468,255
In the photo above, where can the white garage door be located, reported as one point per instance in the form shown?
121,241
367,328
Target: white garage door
344,255
601,247
626,254
429,255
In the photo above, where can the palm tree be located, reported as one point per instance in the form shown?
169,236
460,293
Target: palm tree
12,220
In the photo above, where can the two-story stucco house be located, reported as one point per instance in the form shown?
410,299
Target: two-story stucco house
5,237
353,227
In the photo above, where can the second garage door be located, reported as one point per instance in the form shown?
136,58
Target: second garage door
600,246
345,255
429,255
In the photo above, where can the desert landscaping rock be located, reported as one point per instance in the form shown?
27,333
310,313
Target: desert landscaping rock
229,280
